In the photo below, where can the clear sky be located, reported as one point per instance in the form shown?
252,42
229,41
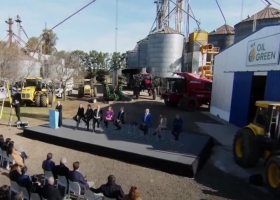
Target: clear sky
94,27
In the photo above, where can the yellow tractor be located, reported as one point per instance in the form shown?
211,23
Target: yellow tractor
36,92
86,89
261,139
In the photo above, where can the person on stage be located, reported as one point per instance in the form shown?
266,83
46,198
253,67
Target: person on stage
146,122
59,109
120,119
80,115
177,127
109,116
97,117
161,125
88,116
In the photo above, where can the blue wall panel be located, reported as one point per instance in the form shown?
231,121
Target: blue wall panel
240,100
272,90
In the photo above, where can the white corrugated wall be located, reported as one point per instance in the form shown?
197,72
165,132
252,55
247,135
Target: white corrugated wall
234,59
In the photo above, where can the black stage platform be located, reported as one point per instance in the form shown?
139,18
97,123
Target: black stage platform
182,158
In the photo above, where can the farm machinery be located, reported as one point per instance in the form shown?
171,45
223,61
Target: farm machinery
261,139
86,89
37,92
188,91
145,81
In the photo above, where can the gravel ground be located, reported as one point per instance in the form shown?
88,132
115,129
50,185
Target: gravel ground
210,183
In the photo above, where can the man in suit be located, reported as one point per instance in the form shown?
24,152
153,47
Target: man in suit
76,176
120,119
177,127
110,189
61,169
48,164
50,192
16,105
23,179
88,116
146,122
80,115
97,117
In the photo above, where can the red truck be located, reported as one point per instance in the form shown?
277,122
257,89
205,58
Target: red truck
187,91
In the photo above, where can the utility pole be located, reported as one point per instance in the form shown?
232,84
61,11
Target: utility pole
10,31
19,27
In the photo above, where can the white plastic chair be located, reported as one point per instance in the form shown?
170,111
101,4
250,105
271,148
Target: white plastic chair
62,181
35,196
47,174
14,187
89,195
24,191
75,188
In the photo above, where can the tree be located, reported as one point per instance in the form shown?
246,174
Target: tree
33,45
118,61
49,39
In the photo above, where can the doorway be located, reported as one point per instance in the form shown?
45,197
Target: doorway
257,93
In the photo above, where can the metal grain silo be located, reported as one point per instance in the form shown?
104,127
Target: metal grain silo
143,53
132,59
165,52
222,37
267,16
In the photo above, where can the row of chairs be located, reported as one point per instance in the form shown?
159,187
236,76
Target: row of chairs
74,188
132,130
6,158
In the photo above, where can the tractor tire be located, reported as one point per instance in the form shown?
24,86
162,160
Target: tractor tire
37,101
44,101
188,104
246,149
271,176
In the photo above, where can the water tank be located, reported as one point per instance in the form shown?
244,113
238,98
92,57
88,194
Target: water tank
165,52
132,60
222,37
143,53
267,16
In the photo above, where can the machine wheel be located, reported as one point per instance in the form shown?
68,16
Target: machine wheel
37,101
188,103
272,175
246,150
44,101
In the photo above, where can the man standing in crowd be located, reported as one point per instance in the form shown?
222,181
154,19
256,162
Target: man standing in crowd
97,117
80,115
16,105
146,122
120,119
88,116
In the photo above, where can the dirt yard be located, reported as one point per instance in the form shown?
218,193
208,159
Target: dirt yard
210,183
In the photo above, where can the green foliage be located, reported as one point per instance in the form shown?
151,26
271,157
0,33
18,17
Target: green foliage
101,75
112,95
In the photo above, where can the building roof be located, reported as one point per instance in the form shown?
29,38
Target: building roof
165,30
225,29
267,13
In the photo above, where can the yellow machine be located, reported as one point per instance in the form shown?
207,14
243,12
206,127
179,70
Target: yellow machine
207,69
86,89
261,139
37,92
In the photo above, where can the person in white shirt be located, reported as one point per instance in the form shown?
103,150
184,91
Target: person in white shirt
161,125
97,117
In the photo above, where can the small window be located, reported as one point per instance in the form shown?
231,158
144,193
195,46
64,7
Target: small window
261,116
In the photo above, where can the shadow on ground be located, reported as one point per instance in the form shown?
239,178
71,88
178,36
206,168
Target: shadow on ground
43,117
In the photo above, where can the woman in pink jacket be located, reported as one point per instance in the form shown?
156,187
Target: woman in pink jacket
109,116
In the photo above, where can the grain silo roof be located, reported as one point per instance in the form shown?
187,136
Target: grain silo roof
166,30
267,13
225,29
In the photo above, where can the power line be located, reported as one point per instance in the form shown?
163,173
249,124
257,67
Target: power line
276,2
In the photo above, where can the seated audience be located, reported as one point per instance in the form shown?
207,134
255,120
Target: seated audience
120,119
15,172
61,169
161,125
146,122
133,194
17,155
177,127
108,116
2,141
6,144
48,164
36,185
19,196
50,192
76,176
23,179
110,189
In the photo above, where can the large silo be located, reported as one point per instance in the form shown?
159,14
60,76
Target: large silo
222,37
143,53
165,52
267,16
132,60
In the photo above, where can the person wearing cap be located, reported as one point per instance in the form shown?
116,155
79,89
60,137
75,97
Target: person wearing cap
61,169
